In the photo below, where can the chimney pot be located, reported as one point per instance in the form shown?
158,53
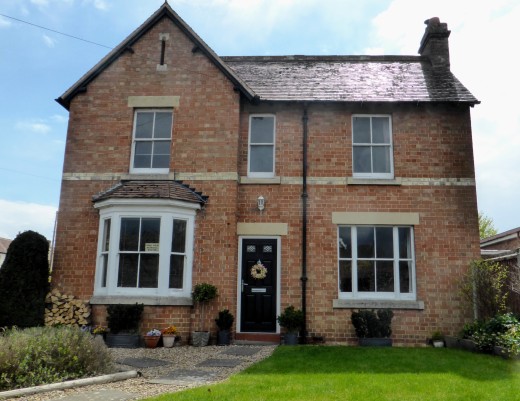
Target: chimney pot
434,43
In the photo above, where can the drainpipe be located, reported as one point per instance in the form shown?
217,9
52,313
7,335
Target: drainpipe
304,226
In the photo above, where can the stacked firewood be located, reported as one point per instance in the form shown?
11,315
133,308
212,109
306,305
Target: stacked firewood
61,309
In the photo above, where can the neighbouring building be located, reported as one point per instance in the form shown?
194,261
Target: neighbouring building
332,183
4,245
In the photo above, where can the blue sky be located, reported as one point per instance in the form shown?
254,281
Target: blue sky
37,66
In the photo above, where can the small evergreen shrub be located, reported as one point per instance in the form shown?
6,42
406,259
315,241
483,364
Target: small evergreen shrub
43,355
124,318
225,319
24,281
369,324
291,319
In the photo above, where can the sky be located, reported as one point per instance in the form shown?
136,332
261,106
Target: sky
38,65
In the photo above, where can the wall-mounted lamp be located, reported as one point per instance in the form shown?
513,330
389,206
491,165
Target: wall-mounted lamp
260,202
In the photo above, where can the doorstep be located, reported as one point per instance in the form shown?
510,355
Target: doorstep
257,339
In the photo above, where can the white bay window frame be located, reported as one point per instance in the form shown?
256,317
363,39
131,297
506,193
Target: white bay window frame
167,211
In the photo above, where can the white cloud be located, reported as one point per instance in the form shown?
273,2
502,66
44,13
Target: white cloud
17,217
50,42
34,127
102,5
41,3
58,118
4,23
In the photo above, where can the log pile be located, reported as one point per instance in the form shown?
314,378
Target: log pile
61,309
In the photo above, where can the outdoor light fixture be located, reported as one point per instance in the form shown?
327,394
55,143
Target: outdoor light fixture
261,203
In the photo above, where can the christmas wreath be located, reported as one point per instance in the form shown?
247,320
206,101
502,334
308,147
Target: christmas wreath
258,271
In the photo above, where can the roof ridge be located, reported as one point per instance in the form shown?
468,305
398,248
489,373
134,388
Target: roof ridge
351,58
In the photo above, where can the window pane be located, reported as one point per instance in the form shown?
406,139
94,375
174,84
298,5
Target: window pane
150,229
106,236
127,275
380,130
404,243
366,276
381,155
161,147
361,129
345,276
129,237
179,236
405,274
362,159
261,159
161,161
345,247
149,271
143,148
163,125
176,271
385,276
385,242
262,129
104,269
365,242
144,125
142,161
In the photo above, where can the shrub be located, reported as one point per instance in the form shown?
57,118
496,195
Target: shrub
502,330
369,324
202,294
24,281
225,319
291,319
124,318
43,355
485,287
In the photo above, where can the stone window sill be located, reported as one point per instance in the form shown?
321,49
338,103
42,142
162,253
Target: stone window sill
368,181
376,304
146,300
264,181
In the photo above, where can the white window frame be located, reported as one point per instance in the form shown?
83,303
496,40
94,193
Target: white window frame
249,144
150,170
389,175
374,295
167,211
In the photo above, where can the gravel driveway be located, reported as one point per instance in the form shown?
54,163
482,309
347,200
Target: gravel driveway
183,358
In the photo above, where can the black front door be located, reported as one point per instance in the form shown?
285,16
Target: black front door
259,268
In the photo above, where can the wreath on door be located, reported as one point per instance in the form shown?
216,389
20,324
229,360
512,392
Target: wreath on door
258,271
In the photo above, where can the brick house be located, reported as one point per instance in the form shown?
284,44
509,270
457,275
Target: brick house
348,181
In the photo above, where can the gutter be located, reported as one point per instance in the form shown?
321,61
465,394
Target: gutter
304,196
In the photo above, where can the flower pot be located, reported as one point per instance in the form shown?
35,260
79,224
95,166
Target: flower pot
168,340
151,341
224,337
290,338
438,344
199,338
375,342
122,340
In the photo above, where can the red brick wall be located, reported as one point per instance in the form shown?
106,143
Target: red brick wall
210,134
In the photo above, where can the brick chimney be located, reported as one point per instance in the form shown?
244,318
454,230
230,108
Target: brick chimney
434,43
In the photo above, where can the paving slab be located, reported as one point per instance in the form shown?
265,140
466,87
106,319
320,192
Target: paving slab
241,351
220,363
142,362
101,395
184,375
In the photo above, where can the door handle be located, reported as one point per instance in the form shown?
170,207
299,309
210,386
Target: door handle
243,284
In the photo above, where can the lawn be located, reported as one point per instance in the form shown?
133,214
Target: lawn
367,374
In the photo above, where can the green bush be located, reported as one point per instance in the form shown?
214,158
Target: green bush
225,319
124,318
291,319
43,355
502,330
24,281
369,324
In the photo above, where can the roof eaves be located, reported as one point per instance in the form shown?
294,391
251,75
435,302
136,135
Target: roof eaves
164,11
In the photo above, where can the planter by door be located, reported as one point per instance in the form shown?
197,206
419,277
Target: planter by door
258,299
168,340
151,341
122,340
224,337
290,338
200,338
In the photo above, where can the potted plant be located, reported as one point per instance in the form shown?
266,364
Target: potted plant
168,336
292,320
373,329
99,332
123,323
224,322
202,294
151,338
437,339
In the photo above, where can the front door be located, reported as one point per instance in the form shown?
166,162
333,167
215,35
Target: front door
259,275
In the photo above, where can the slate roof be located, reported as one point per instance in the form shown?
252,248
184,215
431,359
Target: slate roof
151,189
349,79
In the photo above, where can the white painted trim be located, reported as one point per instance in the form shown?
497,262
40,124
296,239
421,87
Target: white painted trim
278,280
139,204
375,218
262,174
262,228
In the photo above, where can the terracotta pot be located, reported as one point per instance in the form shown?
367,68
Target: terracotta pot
151,341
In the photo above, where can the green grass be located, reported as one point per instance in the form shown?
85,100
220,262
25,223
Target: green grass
367,374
